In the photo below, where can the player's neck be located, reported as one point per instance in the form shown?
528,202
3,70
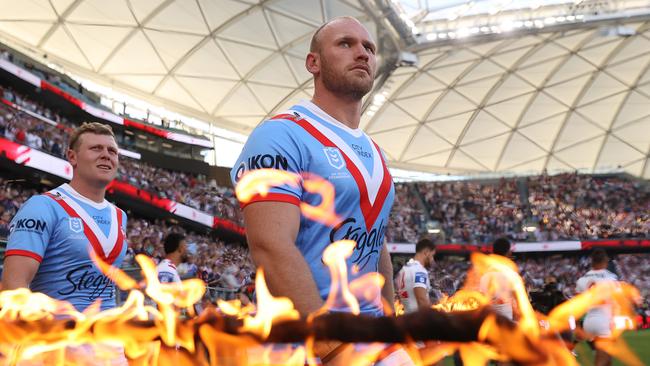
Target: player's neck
344,109
175,259
419,259
95,194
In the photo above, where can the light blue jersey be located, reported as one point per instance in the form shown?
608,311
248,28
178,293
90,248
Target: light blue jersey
58,229
307,140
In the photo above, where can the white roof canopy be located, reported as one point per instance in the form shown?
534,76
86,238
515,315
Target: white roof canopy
569,99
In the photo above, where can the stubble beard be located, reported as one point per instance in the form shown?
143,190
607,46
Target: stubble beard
352,87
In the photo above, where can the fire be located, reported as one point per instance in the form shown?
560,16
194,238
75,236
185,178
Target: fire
259,182
340,296
269,309
462,300
37,329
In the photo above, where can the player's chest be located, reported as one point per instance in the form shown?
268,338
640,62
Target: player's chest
347,168
76,233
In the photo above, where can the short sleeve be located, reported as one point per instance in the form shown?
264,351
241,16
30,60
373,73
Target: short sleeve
166,277
581,285
420,279
31,228
272,145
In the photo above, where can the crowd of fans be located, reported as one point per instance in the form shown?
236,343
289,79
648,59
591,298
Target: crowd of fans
470,212
573,206
218,264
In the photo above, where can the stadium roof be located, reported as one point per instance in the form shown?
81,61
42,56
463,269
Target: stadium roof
482,86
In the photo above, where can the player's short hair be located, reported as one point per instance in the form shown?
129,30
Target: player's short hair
173,242
501,246
314,45
424,244
599,256
88,127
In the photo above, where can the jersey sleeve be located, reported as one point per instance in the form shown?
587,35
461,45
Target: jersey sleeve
124,229
166,277
272,145
420,279
582,285
32,228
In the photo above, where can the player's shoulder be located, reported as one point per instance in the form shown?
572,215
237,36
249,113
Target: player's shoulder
610,274
280,123
39,202
124,215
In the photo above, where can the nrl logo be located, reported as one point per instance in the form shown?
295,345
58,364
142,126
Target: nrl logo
76,225
334,157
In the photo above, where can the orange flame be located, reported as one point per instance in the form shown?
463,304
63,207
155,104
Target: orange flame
340,295
269,309
260,181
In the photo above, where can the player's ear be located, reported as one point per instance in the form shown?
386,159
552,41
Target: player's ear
72,157
312,63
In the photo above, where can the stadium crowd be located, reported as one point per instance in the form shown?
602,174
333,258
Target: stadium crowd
573,206
470,212
219,264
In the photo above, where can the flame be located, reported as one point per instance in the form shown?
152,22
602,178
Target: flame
463,300
261,181
620,296
501,275
340,296
269,309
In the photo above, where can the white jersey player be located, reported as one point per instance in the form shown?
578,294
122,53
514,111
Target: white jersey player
496,286
413,282
174,253
598,320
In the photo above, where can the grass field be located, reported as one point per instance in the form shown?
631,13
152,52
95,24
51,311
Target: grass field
638,341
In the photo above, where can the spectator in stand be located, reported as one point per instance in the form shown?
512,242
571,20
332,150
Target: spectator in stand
572,206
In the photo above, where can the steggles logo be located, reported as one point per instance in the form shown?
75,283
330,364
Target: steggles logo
368,243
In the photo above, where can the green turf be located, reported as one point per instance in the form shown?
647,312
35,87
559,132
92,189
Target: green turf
638,341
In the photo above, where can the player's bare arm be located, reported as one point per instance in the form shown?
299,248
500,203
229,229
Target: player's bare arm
271,230
19,271
422,297
386,270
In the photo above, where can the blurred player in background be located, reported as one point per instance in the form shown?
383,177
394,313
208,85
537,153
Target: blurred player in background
175,248
322,137
413,282
597,322
497,287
